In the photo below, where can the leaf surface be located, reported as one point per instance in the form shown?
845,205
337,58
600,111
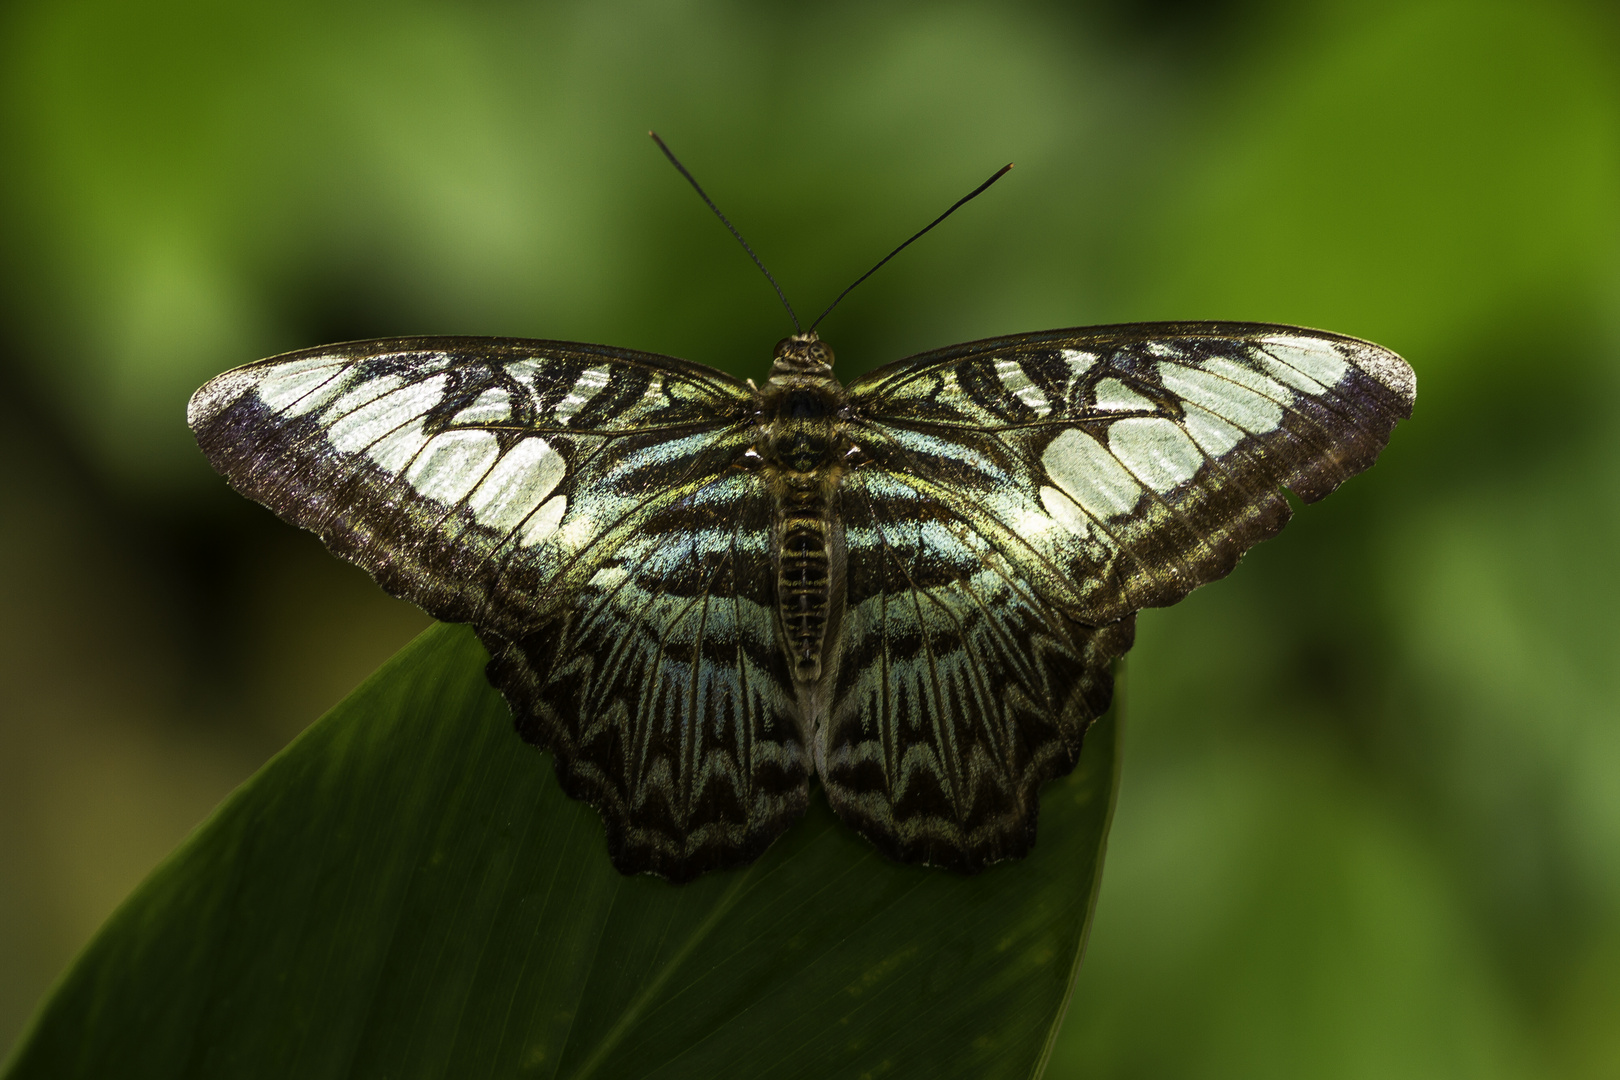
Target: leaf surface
406,892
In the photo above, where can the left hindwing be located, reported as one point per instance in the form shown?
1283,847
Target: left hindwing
1120,467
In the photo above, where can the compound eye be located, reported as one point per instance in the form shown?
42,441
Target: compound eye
803,351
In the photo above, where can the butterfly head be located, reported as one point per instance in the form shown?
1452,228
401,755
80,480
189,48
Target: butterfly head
802,354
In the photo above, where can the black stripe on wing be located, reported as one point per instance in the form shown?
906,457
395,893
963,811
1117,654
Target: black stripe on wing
1124,466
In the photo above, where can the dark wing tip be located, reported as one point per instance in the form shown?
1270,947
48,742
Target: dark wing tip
1394,373
215,396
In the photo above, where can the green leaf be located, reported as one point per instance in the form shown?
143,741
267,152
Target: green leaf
405,892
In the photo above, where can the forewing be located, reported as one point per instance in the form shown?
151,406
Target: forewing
1124,466
960,686
541,491
478,478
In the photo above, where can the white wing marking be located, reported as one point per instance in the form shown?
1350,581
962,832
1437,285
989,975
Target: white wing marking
1090,475
1018,384
1213,435
1064,512
491,407
545,521
1115,396
1319,361
588,385
389,404
452,463
1236,404
514,488
1079,361
1156,450
292,388
395,451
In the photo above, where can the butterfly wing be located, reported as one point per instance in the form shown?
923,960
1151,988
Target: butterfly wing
1021,498
960,686
586,510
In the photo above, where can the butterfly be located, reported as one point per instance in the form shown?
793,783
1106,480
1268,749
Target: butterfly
698,594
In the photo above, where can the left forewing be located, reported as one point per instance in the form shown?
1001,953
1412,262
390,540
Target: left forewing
480,478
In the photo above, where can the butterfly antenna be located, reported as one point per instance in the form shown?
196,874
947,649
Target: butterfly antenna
675,161
957,205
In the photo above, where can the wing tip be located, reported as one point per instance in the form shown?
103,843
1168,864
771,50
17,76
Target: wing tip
1389,369
215,396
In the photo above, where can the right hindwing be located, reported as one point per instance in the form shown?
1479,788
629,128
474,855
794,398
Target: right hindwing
959,687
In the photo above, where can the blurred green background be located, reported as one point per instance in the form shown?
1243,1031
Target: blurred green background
1370,817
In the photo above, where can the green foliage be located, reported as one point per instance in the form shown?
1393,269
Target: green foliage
1369,816
405,891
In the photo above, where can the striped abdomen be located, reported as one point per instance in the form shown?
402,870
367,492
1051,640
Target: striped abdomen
803,581
803,446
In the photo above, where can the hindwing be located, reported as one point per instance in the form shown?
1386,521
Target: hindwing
662,686
961,685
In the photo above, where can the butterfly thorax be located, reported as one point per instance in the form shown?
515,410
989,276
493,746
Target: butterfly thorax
803,447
